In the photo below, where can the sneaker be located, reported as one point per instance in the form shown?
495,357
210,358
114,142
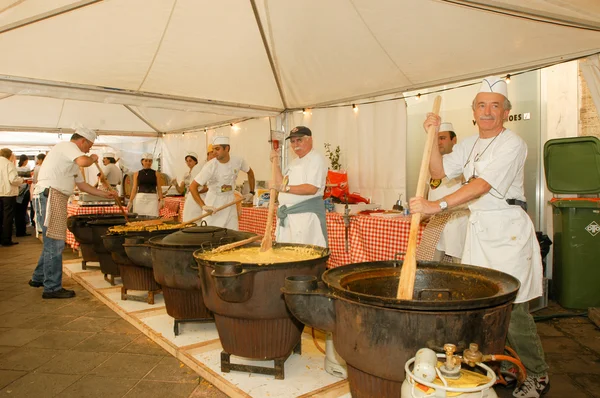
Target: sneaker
62,293
33,283
533,387
10,243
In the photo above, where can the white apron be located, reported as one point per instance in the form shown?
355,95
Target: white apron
226,218
191,209
146,204
452,239
502,237
303,228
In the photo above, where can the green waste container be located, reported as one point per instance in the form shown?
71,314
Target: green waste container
572,166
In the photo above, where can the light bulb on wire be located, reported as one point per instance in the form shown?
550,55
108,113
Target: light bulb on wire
354,108
507,78
418,96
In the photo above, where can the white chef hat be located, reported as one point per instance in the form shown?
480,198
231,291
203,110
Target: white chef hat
220,140
147,156
108,155
192,154
86,133
446,126
494,84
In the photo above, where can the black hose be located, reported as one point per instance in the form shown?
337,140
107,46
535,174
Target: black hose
552,316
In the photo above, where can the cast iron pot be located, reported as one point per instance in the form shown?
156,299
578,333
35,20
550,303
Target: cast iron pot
99,229
134,276
171,256
376,334
78,225
250,313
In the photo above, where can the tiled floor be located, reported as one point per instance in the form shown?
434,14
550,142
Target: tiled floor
77,347
80,348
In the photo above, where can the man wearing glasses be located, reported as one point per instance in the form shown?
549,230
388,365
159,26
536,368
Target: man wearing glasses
500,234
301,212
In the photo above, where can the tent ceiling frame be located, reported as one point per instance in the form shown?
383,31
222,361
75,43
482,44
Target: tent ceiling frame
43,88
142,119
55,130
208,126
46,15
268,52
524,13
455,79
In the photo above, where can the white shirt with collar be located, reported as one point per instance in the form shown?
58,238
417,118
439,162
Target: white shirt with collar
9,178
59,169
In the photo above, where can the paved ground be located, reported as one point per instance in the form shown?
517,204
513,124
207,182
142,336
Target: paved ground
80,348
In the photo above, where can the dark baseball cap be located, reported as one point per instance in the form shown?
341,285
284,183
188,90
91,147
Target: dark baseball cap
299,131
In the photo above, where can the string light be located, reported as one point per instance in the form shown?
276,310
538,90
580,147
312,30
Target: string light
507,79
418,96
182,133
354,108
304,111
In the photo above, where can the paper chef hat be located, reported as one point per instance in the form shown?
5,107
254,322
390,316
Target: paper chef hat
221,140
108,155
494,84
192,154
87,133
147,156
446,127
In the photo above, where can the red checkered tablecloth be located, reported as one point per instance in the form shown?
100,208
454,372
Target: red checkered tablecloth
173,207
370,238
74,209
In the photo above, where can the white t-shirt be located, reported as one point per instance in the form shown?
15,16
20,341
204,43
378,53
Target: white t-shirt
310,169
113,174
215,173
59,169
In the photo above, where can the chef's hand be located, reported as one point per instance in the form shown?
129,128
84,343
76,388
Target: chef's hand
208,209
274,155
161,204
130,206
423,206
94,157
173,181
111,194
432,120
248,197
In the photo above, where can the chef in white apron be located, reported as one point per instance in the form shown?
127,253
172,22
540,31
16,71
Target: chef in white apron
146,196
500,234
301,212
220,175
190,208
452,238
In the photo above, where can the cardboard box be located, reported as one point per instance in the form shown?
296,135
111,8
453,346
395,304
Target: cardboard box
355,209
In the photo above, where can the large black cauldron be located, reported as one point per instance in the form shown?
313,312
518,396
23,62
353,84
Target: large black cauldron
376,334
249,309
171,257
78,225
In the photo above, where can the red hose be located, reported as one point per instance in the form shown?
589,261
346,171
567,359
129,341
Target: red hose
521,375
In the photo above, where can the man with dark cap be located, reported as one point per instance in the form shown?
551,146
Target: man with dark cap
301,212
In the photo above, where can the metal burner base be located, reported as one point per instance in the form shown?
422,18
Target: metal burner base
149,299
110,278
278,370
179,321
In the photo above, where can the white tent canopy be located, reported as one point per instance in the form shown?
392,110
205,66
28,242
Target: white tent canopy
152,66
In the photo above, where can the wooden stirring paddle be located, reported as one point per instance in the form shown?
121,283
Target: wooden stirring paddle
108,187
267,242
233,245
409,268
235,202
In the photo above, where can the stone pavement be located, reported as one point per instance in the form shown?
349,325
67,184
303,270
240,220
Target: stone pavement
80,348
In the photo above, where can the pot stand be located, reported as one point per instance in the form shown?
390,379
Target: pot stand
177,322
278,370
138,278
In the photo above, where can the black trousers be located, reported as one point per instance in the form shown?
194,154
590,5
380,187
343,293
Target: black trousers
21,215
7,209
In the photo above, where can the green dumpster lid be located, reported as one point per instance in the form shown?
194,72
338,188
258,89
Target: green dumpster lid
572,165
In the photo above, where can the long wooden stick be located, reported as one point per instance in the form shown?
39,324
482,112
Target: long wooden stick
107,186
267,242
409,268
237,244
235,202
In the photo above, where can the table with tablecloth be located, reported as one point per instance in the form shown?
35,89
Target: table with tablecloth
370,238
74,209
173,207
